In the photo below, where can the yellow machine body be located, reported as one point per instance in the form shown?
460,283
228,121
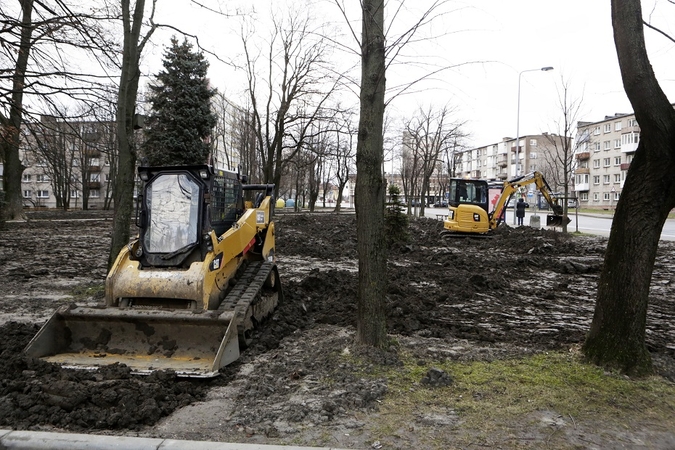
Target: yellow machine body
189,309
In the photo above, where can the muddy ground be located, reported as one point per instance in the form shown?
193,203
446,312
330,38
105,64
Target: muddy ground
521,292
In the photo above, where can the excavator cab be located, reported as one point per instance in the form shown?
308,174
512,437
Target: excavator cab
470,205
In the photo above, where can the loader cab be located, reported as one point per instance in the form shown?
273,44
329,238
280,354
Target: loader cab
178,208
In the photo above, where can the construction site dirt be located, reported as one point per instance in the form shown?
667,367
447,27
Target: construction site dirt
521,292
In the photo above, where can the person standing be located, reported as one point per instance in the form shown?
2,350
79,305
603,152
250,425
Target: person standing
521,206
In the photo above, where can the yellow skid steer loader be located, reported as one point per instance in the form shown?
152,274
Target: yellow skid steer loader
188,292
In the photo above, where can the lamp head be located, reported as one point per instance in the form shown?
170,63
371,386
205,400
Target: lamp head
546,69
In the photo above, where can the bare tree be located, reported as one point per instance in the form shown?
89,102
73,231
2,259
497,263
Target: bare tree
294,88
344,154
40,45
617,334
370,183
428,134
126,120
558,162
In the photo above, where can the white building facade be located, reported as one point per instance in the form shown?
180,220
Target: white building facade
604,153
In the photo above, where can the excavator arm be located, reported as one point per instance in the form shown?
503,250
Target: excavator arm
511,186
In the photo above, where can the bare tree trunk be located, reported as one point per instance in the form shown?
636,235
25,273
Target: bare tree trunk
370,183
10,141
617,334
126,106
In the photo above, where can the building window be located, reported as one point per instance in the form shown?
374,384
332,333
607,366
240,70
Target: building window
608,127
617,160
617,178
96,177
605,179
27,194
533,142
632,123
94,162
596,163
584,196
605,196
596,179
607,145
26,177
596,197
617,143
74,194
616,196
596,131
596,146
94,193
630,138
606,162
42,194
617,126
41,178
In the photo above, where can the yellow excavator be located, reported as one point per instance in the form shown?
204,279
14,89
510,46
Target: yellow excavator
187,293
477,207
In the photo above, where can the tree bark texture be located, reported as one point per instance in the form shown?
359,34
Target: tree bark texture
126,108
11,135
617,335
370,183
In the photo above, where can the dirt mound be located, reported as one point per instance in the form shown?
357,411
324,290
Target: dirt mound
518,292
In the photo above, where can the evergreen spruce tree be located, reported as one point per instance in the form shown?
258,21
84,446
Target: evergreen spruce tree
180,122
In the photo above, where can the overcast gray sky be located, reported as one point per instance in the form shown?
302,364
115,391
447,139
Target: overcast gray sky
500,39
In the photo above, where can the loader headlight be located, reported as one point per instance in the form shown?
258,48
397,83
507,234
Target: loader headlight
260,216
451,215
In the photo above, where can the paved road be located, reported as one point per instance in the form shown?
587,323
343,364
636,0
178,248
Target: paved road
588,223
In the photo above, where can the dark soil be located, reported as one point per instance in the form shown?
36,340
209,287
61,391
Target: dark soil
519,292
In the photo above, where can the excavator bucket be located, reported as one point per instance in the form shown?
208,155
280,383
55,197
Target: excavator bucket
193,344
556,220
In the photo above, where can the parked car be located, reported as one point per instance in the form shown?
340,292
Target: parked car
441,204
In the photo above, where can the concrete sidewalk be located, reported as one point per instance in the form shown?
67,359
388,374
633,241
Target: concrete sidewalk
37,440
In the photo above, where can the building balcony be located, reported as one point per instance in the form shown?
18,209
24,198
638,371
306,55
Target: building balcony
92,152
582,170
625,166
95,168
629,148
94,185
583,155
581,187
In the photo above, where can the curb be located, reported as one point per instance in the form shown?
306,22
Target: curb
39,440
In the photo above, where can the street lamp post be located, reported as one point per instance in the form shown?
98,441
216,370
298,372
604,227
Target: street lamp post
516,171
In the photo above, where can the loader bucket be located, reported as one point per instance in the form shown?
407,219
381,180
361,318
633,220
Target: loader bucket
556,220
193,344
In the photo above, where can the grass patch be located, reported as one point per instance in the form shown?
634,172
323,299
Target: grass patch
498,397
88,291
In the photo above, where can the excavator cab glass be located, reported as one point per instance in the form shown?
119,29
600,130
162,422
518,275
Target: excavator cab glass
473,192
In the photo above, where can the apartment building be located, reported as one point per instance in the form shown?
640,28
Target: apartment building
67,163
498,161
603,154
